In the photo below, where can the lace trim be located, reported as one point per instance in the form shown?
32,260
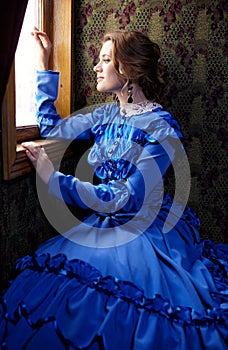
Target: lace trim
131,109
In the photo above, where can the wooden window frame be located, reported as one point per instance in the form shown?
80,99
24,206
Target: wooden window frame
57,22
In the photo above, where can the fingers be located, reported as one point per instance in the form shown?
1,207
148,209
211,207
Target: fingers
41,38
37,31
32,147
33,151
39,160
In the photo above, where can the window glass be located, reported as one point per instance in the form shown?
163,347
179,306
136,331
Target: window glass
25,60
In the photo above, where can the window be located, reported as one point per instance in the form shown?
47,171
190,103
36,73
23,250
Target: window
55,17
25,67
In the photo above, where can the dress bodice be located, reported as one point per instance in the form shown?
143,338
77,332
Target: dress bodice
122,133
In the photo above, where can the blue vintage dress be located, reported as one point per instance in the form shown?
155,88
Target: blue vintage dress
134,273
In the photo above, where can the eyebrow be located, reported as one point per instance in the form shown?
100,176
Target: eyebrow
106,54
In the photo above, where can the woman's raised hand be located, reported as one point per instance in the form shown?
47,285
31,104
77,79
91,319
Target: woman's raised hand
43,45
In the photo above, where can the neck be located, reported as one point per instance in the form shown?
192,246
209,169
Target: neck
137,95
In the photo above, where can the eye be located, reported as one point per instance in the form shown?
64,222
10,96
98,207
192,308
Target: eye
106,60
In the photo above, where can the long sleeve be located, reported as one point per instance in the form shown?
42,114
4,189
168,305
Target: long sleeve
50,123
126,195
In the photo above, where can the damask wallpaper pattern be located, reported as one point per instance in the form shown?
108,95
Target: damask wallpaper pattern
192,36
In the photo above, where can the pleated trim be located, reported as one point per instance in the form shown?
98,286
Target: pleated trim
90,276
79,281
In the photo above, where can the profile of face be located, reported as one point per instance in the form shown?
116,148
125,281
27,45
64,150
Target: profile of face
107,78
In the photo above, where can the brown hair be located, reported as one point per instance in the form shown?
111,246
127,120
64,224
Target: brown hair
139,60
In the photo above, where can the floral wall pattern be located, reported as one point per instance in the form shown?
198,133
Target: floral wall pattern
192,37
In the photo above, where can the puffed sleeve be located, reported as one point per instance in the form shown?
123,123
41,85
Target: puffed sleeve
50,123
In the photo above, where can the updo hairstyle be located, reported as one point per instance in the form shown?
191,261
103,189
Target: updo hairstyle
137,59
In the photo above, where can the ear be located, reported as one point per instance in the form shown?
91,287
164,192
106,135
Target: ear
120,69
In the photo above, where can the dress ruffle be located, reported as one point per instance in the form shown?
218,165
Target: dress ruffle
108,307
217,264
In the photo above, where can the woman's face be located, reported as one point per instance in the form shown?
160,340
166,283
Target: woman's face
107,78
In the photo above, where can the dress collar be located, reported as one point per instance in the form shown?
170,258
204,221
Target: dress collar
130,109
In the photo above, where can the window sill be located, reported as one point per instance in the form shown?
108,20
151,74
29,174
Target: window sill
27,133
21,164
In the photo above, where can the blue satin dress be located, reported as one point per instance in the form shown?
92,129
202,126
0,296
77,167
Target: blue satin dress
133,274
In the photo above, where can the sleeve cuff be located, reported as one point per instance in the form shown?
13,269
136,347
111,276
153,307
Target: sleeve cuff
47,72
53,185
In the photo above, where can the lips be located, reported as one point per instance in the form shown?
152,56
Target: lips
99,78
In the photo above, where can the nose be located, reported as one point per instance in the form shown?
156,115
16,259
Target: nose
97,68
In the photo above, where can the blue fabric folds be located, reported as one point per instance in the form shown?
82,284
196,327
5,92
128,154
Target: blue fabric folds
77,308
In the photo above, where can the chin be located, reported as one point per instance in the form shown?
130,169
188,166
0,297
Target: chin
99,89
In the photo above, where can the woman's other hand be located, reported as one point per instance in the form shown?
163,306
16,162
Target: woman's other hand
39,160
43,46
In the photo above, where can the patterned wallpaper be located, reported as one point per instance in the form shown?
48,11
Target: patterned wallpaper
192,37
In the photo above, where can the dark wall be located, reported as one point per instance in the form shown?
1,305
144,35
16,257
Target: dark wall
22,223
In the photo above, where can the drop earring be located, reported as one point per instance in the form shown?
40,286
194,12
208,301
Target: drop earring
116,99
130,93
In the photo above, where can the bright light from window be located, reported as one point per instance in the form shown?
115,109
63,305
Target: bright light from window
25,68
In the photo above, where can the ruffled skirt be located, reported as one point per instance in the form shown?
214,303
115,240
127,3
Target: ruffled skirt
156,292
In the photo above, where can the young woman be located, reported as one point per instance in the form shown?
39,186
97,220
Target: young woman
134,273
